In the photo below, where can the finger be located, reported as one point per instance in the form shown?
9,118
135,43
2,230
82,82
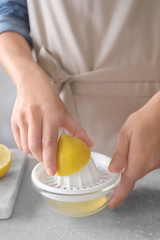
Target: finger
134,170
120,155
75,129
35,136
16,134
49,147
23,129
125,187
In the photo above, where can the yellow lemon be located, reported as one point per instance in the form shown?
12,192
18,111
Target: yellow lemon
73,154
5,159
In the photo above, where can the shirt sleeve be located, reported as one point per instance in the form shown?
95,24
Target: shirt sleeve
14,17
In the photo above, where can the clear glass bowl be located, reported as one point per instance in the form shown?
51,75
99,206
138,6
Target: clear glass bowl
80,209
78,202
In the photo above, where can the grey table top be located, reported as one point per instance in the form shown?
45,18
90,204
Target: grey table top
137,218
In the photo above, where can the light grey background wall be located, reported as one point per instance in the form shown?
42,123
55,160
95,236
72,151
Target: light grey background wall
7,98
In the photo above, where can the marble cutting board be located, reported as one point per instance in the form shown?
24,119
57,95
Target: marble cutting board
10,183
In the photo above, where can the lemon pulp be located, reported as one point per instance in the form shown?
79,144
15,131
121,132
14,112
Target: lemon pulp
5,159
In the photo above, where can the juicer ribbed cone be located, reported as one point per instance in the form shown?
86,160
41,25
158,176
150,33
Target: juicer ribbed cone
84,177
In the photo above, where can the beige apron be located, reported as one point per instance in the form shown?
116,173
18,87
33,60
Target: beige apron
103,57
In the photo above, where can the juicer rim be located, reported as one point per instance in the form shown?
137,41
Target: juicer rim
82,192
104,190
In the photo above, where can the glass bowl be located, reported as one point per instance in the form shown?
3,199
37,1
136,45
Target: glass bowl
78,202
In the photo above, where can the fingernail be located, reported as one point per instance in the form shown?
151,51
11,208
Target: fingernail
91,143
113,164
50,171
113,167
110,207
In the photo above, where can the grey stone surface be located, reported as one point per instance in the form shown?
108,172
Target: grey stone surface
10,183
138,218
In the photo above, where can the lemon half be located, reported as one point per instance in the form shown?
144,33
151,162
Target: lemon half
72,155
5,159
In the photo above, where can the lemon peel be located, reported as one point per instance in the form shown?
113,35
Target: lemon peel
72,155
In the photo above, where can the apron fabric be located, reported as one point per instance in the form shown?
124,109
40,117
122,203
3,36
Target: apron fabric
103,58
